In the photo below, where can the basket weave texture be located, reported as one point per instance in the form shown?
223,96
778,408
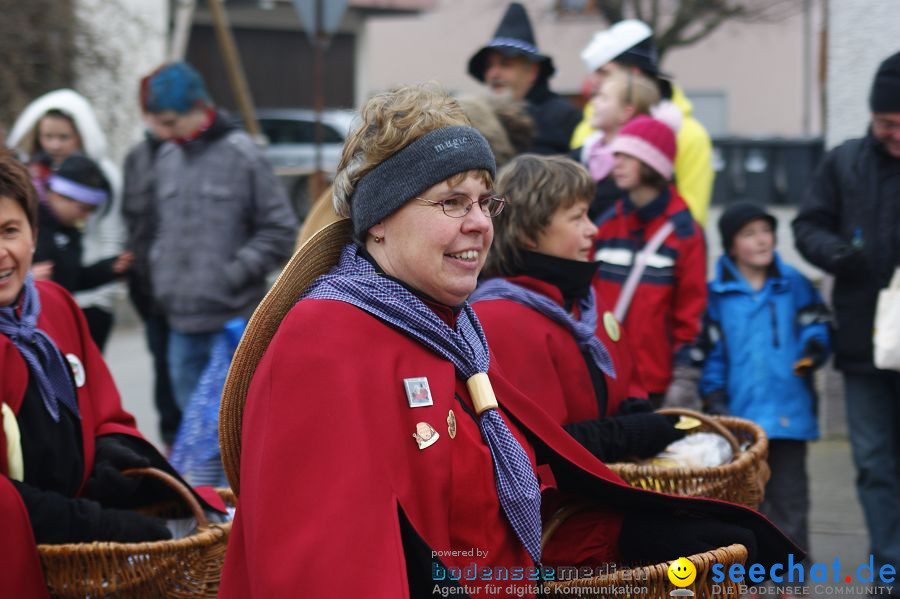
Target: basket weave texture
741,481
187,567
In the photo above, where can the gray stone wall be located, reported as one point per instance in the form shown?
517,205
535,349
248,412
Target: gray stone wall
123,40
861,33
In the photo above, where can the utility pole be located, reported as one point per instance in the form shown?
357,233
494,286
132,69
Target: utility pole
184,16
321,20
320,42
233,67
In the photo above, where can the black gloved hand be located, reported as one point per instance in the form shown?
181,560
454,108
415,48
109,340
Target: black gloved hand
814,352
849,261
653,537
56,519
635,405
106,481
646,434
613,439
124,526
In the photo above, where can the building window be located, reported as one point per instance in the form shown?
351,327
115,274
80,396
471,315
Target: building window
575,7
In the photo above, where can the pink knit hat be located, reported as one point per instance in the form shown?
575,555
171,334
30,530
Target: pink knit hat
649,140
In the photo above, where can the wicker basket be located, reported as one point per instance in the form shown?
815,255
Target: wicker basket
742,481
187,567
645,582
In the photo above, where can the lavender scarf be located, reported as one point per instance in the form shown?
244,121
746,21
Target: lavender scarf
44,360
583,329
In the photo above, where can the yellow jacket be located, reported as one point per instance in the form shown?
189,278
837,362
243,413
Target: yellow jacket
693,161
583,130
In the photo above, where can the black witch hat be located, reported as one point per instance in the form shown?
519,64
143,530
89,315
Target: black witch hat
514,37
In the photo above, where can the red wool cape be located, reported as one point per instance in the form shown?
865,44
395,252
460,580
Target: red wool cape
332,479
541,358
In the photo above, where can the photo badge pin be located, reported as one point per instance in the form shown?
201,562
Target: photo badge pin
418,394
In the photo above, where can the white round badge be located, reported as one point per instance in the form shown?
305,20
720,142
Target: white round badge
77,369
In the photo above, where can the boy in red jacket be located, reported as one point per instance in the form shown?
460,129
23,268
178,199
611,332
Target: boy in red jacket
663,308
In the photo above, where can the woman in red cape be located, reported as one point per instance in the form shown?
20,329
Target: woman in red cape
353,484
64,435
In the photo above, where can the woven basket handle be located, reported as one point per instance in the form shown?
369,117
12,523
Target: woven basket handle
708,421
184,492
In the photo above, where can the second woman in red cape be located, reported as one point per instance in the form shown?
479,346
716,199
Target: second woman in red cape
550,333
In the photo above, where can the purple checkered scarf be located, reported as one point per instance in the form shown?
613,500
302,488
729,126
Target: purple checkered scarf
583,329
355,282
45,362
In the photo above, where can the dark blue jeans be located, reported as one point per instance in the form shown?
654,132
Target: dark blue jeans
188,355
873,419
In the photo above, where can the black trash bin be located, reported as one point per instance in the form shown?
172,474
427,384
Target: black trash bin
764,171
796,161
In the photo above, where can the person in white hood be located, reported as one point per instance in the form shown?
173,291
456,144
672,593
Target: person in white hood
628,46
51,128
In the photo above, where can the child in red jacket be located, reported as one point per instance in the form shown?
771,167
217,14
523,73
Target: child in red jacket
650,238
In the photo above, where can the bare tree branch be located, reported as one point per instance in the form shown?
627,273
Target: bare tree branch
708,27
37,42
638,10
677,23
613,11
654,16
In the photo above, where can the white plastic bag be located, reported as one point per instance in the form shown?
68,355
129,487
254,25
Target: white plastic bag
699,450
886,336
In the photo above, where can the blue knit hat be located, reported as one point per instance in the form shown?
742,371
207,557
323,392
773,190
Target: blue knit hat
175,86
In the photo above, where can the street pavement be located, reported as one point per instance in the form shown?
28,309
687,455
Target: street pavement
836,522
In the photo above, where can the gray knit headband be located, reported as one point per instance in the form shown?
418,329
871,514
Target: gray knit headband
432,158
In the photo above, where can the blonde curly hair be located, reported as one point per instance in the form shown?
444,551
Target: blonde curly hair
389,122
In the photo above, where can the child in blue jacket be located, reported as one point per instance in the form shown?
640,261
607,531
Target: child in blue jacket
768,331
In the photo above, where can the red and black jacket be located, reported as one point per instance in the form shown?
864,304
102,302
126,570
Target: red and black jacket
665,315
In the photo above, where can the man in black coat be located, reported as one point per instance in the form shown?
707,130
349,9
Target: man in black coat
849,225
511,65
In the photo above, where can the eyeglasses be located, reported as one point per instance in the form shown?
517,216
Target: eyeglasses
459,205
886,125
